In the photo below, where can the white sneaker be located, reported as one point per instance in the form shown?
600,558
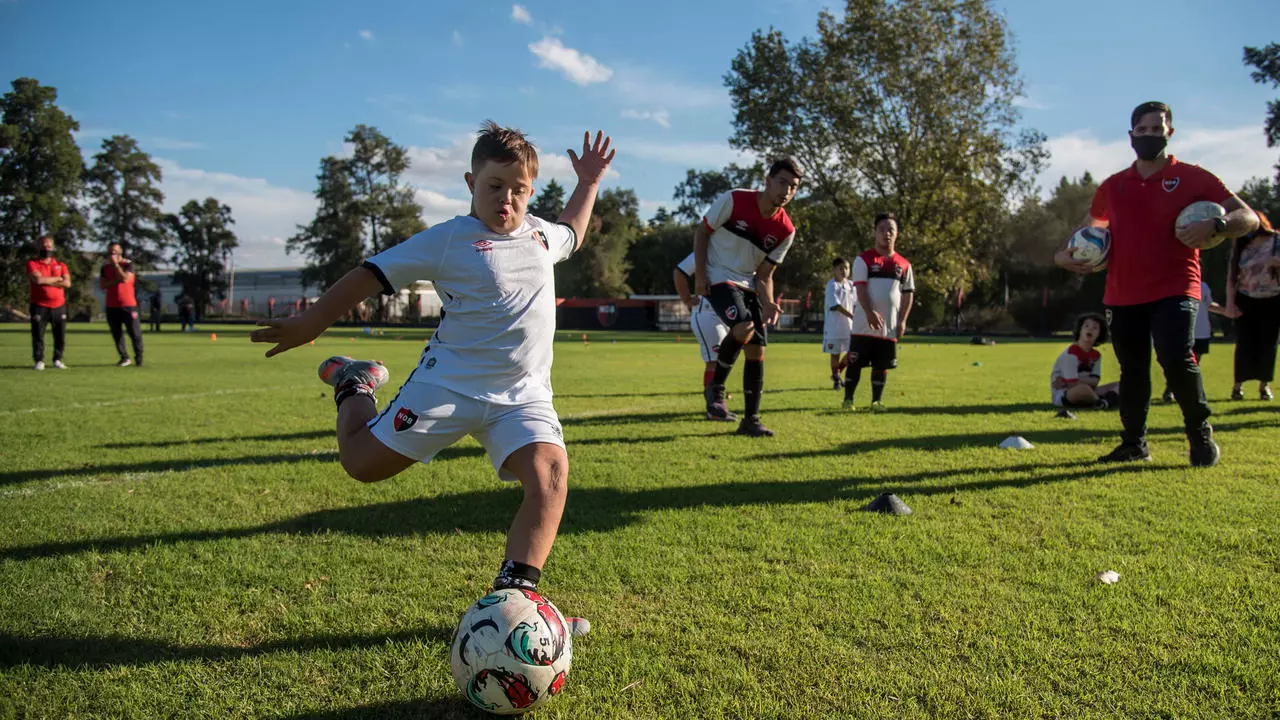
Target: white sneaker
124,362
59,364
39,365
578,626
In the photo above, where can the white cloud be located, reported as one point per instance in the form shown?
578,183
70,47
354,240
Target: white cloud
164,143
520,14
691,154
642,86
366,35
436,208
265,214
457,39
662,117
577,67
648,208
1233,154
1028,103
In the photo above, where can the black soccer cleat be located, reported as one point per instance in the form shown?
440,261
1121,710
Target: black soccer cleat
1127,452
1204,451
716,410
751,427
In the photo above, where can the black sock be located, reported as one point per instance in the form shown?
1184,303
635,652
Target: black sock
729,349
878,379
517,575
752,385
351,389
852,375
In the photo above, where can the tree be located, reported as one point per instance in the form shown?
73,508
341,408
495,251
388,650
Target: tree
332,239
1266,62
600,267
202,240
903,106
40,174
655,254
123,186
700,188
549,203
364,208
1264,195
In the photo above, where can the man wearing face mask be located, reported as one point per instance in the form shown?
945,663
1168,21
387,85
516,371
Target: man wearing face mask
49,280
1153,278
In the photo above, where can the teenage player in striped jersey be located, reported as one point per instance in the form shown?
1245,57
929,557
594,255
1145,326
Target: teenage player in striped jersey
741,239
886,287
487,369
703,321
837,327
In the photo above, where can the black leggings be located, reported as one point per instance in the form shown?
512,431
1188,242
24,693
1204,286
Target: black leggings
1257,330
1169,324
119,319
57,317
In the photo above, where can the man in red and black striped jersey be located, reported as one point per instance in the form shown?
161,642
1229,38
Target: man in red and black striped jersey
886,288
49,278
1153,278
741,239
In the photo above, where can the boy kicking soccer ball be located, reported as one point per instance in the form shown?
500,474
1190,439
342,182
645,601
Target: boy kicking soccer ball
487,369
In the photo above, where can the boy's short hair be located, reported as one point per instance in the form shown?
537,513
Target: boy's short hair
838,262
788,163
1149,107
1102,323
885,216
504,146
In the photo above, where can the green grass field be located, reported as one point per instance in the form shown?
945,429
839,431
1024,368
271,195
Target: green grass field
179,541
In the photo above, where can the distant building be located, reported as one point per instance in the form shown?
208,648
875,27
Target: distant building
251,290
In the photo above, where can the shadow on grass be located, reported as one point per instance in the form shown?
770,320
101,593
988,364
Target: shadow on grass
454,708
115,650
269,437
589,509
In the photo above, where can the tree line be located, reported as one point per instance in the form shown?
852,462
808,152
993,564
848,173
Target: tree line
907,106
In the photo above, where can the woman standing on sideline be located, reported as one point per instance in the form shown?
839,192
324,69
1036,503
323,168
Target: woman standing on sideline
1253,299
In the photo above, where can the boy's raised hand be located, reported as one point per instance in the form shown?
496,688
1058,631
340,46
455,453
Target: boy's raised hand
286,333
595,158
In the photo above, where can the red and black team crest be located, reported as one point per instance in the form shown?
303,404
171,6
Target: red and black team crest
770,242
405,419
541,237
732,312
1170,184
607,314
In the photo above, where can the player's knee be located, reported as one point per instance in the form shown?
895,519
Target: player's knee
743,331
550,476
363,468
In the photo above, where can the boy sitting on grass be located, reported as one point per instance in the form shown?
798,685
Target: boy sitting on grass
1077,373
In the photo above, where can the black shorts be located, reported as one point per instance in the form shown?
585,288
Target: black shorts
1201,347
734,305
878,353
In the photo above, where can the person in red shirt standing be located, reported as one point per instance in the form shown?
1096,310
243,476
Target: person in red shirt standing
122,305
1153,278
49,279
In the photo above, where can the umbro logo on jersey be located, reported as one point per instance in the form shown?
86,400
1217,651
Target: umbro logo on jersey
483,245
740,224
405,419
1170,184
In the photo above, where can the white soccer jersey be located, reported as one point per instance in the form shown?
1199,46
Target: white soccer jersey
742,238
1074,363
886,279
499,304
840,293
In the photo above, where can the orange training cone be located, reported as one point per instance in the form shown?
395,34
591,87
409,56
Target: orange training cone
213,337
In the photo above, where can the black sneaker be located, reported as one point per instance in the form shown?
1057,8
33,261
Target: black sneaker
1264,392
1168,396
1237,393
714,395
836,384
751,427
1204,451
1128,452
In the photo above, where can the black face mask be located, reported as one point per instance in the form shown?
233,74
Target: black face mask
1148,147
46,253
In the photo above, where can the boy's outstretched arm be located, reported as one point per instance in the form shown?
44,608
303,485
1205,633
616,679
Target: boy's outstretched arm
590,169
288,333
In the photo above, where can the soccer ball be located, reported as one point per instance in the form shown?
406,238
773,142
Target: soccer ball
511,652
1091,245
1202,210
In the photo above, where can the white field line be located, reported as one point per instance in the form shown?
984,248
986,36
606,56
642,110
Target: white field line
146,399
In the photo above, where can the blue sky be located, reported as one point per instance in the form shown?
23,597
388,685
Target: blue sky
241,100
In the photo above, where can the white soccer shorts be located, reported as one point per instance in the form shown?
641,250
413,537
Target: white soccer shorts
835,345
708,328
424,419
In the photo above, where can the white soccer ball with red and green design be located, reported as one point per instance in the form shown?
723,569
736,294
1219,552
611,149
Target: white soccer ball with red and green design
511,652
